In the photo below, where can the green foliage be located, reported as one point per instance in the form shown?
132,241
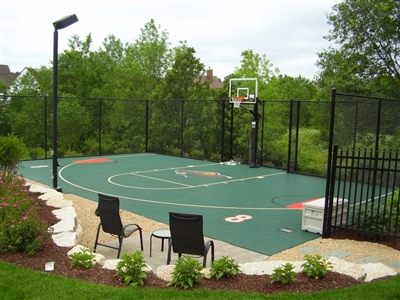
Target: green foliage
312,155
187,272
21,229
73,122
12,151
197,154
223,267
367,56
36,153
215,157
83,259
130,268
383,218
316,266
284,274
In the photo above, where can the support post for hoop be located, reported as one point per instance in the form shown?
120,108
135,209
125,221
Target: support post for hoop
254,136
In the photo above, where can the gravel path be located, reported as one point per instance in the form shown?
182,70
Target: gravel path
89,222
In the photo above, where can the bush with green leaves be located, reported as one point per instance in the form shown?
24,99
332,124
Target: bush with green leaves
21,229
130,268
382,218
186,273
284,274
83,259
316,266
12,151
223,267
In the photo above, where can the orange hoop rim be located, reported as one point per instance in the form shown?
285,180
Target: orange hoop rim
238,99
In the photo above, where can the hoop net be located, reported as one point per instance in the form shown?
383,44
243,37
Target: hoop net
236,104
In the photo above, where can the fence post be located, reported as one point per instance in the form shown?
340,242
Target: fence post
329,170
147,127
262,133
223,130
45,126
290,136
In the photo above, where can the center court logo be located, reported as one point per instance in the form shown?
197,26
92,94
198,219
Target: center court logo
185,173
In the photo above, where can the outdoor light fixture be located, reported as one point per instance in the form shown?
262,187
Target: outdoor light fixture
60,24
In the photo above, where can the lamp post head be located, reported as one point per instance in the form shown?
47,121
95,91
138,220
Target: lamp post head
65,22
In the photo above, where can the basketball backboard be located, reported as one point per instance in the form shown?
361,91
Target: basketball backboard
244,90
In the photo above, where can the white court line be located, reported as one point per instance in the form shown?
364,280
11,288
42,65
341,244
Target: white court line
184,186
174,168
175,203
148,177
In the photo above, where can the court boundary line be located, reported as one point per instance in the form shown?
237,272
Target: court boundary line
184,186
172,203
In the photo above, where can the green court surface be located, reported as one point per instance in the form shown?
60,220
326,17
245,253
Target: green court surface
254,208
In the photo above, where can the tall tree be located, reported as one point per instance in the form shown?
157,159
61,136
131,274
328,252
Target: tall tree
367,34
184,77
152,53
73,123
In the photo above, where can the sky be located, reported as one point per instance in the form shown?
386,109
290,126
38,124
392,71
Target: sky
288,32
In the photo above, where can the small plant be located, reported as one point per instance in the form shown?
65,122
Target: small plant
284,274
130,268
316,266
223,267
187,272
83,259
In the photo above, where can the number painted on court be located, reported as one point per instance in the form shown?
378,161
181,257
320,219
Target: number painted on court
238,218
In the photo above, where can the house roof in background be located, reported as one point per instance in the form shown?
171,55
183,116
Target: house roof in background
6,75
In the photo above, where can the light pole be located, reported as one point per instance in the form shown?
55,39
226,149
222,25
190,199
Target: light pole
60,24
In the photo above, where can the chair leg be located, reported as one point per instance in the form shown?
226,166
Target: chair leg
97,237
120,240
141,239
169,252
209,244
212,250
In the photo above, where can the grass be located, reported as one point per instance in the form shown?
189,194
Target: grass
20,283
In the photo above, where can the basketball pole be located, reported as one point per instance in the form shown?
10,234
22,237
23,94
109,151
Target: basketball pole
241,90
254,136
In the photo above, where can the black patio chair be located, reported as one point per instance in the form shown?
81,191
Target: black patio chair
110,222
187,236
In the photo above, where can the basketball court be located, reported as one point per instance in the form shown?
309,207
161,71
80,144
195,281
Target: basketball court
259,209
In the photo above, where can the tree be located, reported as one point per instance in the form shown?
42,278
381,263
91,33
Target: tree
183,78
368,37
152,54
73,121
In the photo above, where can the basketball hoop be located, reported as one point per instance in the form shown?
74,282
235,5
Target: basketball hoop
236,100
236,104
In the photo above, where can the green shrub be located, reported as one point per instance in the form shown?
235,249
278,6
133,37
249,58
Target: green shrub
21,229
35,153
187,272
384,218
284,274
130,268
83,259
12,151
199,154
316,266
223,267
215,157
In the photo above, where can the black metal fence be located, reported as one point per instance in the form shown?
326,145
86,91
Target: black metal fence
362,195
293,135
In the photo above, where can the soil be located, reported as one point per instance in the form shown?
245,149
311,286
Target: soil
244,283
